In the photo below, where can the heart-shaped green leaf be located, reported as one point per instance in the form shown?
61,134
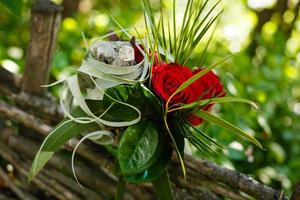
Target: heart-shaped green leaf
155,170
138,148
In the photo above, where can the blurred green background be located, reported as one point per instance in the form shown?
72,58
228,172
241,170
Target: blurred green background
265,34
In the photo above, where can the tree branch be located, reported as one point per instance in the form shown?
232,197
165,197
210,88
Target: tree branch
296,193
22,195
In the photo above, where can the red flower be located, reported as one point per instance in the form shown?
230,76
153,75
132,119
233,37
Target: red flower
212,88
137,53
166,78
139,56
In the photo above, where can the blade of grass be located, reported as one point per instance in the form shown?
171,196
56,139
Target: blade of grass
191,33
175,145
163,30
197,142
193,45
199,148
207,137
205,50
119,25
206,28
170,38
174,24
203,142
215,100
217,120
197,76
182,38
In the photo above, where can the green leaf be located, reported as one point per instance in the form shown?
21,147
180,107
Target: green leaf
184,38
116,113
204,53
138,96
178,135
120,189
14,7
217,100
205,136
40,161
66,130
76,93
216,120
120,93
163,187
138,148
175,145
156,169
198,75
202,144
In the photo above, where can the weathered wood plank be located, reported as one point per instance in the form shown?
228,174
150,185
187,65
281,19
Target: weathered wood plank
45,24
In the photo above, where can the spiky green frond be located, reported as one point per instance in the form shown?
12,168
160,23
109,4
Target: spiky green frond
180,38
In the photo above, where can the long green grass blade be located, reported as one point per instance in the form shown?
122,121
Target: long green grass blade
182,29
202,144
163,30
192,34
217,120
175,145
119,25
197,38
174,24
205,50
208,138
170,39
198,75
215,100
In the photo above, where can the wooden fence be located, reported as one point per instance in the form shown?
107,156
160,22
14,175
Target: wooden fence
29,113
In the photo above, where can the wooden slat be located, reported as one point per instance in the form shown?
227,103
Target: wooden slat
45,24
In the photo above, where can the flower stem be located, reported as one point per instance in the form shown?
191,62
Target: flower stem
120,189
163,188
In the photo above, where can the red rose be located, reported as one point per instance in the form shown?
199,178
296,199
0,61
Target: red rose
139,56
211,84
166,78
212,88
137,53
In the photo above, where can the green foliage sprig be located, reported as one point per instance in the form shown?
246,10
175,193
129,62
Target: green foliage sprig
180,43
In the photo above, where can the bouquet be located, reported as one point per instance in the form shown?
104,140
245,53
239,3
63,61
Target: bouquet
141,99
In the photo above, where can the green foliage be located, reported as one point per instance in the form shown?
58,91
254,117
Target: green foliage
120,189
156,169
183,41
65,131
13,6
163,187
216,120
198,75
139,148
39,162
